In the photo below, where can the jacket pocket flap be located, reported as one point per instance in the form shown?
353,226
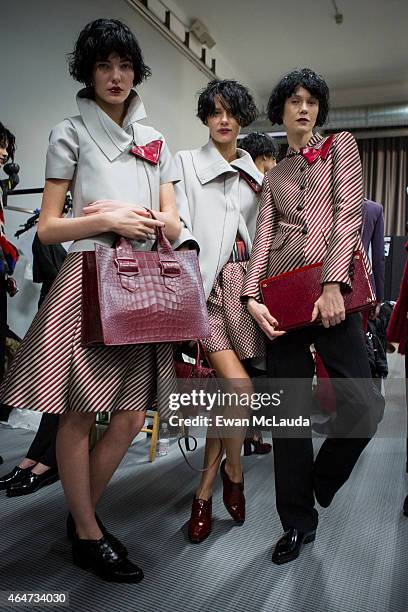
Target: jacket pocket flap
278,241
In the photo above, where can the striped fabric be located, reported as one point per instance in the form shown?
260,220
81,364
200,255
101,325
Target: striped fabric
232,327
52,372
239,252
309,213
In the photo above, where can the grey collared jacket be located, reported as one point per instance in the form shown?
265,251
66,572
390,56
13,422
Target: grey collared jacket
216,201
93,152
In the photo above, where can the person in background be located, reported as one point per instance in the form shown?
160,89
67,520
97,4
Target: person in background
7,254
372,236
218,199
38,468
263,149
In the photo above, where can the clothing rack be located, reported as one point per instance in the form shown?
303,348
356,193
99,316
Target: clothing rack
30,211
14,192
31,221
36,212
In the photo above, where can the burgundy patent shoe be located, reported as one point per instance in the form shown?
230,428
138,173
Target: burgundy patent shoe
199,525
233,496
260,447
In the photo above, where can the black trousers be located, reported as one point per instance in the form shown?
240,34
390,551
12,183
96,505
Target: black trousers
42,448
297,475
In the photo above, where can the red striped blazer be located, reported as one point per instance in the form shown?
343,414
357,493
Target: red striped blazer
309,213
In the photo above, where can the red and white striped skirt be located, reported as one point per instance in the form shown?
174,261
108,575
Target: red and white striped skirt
232,327
53,372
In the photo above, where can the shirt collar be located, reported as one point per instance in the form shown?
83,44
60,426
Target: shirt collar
110,137
315,139
209,164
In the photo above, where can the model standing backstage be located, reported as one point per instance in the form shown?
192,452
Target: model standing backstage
90,154
311,211
218,202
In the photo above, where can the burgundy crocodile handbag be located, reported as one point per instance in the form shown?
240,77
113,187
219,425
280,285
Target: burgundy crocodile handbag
137,297
201,368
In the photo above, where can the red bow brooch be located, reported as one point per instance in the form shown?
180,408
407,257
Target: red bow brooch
311,155
149,152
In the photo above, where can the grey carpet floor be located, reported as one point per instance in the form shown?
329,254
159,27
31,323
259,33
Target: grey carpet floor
358,563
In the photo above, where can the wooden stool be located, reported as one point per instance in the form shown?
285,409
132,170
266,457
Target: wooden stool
153,430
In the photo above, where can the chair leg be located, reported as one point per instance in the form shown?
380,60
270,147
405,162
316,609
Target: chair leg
155,435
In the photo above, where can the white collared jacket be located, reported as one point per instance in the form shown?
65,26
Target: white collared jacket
216,201
93,152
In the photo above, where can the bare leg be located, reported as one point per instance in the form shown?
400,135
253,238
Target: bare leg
229,368
212,449
73,467
111,448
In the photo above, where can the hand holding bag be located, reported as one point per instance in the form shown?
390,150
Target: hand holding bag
136,297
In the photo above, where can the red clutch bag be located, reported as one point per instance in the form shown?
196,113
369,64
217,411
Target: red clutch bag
290,296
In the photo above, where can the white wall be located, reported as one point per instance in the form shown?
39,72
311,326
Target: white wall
37,92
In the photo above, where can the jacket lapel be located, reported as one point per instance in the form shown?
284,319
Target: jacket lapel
108,135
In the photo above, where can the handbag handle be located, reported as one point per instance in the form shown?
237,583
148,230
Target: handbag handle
127,264
186,439
163,243
201,349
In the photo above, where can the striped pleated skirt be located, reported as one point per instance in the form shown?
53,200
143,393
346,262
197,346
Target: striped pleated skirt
52,372
231,325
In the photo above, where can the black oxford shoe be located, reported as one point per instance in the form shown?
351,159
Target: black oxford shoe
290,545
116,544
16,475
32,483
100,557
405,509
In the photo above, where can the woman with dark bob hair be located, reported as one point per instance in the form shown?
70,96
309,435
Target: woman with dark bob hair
117,171
218,199
311,212
263,149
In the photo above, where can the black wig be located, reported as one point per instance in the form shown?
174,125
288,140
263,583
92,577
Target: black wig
258,143
304,77
8,140
233,96
97,41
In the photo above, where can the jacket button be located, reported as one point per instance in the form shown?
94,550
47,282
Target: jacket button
302,169
302,187
300,206
304,229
